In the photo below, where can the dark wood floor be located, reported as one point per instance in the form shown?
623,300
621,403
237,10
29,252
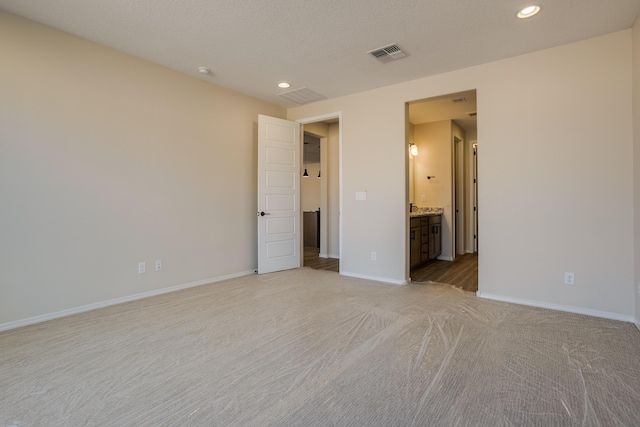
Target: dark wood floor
312,259
461,273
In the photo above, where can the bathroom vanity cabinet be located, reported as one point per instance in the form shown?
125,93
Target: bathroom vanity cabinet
426,239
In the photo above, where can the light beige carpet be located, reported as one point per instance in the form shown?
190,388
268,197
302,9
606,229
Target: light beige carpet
311,348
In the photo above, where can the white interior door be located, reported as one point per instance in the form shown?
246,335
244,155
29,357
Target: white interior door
278,194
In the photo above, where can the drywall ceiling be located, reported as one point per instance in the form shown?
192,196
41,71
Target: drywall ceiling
251,46
458,107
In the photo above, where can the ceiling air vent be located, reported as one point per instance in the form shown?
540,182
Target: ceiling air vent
473,114
388,53
302,96
461,99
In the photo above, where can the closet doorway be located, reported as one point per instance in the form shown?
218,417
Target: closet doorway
320,194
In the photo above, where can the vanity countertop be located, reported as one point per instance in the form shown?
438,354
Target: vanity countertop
417,212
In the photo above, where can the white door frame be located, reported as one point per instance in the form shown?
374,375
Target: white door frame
324,231
322,118
458,186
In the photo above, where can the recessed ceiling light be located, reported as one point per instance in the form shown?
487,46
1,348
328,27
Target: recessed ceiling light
284,85
528,12
204,70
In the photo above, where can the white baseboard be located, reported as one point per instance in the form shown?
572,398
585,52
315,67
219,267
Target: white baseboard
323,255
445,258
375,279
94,306
637,324
559,307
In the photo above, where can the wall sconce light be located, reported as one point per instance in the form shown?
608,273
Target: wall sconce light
413,149
318,174
305,174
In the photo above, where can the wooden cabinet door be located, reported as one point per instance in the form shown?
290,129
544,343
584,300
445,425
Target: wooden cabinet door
435,241
310,220
414,235
435,237
424,239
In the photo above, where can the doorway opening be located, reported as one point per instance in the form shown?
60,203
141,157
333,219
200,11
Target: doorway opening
442,188
320,193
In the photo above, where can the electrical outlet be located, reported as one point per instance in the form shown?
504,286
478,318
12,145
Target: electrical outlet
158,265
569,278
423,198
373,256
142,267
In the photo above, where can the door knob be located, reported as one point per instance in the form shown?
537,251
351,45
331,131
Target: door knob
264,213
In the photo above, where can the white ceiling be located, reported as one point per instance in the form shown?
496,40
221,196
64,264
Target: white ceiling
250,46
456,107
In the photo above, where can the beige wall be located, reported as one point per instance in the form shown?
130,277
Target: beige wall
470,196
310,188
411,165
333,191
108,160
459,193
555,175
636,161
434,159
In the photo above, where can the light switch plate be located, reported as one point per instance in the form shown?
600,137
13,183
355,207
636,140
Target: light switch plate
361,195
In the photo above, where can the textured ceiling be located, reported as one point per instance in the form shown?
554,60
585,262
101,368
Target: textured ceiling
450,107
250,46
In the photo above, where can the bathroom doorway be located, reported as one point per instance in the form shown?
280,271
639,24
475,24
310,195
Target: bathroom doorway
442,178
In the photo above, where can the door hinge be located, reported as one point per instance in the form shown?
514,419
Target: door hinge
474,208
474,236
474,180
